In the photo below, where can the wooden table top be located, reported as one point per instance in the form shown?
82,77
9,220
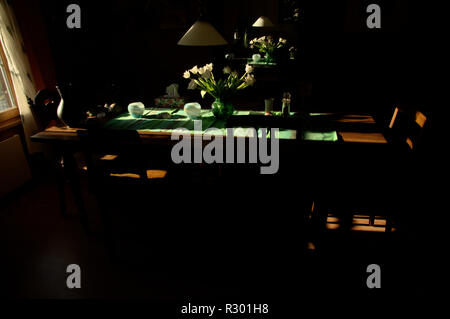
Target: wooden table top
58,134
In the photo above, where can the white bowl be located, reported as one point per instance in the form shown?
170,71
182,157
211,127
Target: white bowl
256,57
136,109
193,110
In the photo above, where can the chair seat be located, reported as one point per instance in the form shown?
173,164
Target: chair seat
116,166
150,174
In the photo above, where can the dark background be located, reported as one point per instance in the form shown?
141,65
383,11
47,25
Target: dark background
127,50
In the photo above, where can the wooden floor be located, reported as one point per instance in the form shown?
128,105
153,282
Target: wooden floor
37,244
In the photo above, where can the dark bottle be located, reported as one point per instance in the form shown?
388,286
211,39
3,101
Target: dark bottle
237,47
286,102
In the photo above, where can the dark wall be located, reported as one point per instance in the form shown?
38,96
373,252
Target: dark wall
355,67
131,44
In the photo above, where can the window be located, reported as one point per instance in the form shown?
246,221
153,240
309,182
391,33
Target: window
8,105
16,81
5,90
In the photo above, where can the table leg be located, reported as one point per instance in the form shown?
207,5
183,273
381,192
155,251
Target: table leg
71,169
60,181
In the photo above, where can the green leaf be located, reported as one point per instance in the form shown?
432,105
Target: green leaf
242,86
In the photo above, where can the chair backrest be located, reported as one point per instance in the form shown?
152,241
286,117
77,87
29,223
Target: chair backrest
101,146
415,135
394,118
44,106
407,127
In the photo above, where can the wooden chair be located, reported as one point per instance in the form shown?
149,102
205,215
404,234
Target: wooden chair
67,165
406,128
43,107
383,198
406,133
117,163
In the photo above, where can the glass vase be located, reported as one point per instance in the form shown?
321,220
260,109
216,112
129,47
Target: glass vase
222,109
269,57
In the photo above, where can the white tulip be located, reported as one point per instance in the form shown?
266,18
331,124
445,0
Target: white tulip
226,70
248,68
205,71
194,70
187,75
192,85
206,74
250,79
209,67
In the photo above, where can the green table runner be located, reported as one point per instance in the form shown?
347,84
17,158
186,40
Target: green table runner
151,122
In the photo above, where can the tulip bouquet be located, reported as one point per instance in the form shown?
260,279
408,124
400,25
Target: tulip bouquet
222,90
267,45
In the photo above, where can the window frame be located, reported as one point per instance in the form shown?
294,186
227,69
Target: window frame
14,111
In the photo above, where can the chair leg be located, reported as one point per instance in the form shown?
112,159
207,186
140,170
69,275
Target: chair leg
71,168
345,215
388,228
372,219
143,174
318,217
59,171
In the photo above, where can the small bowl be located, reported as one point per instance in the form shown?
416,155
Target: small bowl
136,109
256,57
193,110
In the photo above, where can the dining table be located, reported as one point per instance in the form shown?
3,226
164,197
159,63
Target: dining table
156,126
152,128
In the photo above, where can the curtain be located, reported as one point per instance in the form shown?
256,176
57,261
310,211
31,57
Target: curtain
19,67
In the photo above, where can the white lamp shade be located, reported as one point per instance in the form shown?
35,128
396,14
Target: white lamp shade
263,22
202,34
